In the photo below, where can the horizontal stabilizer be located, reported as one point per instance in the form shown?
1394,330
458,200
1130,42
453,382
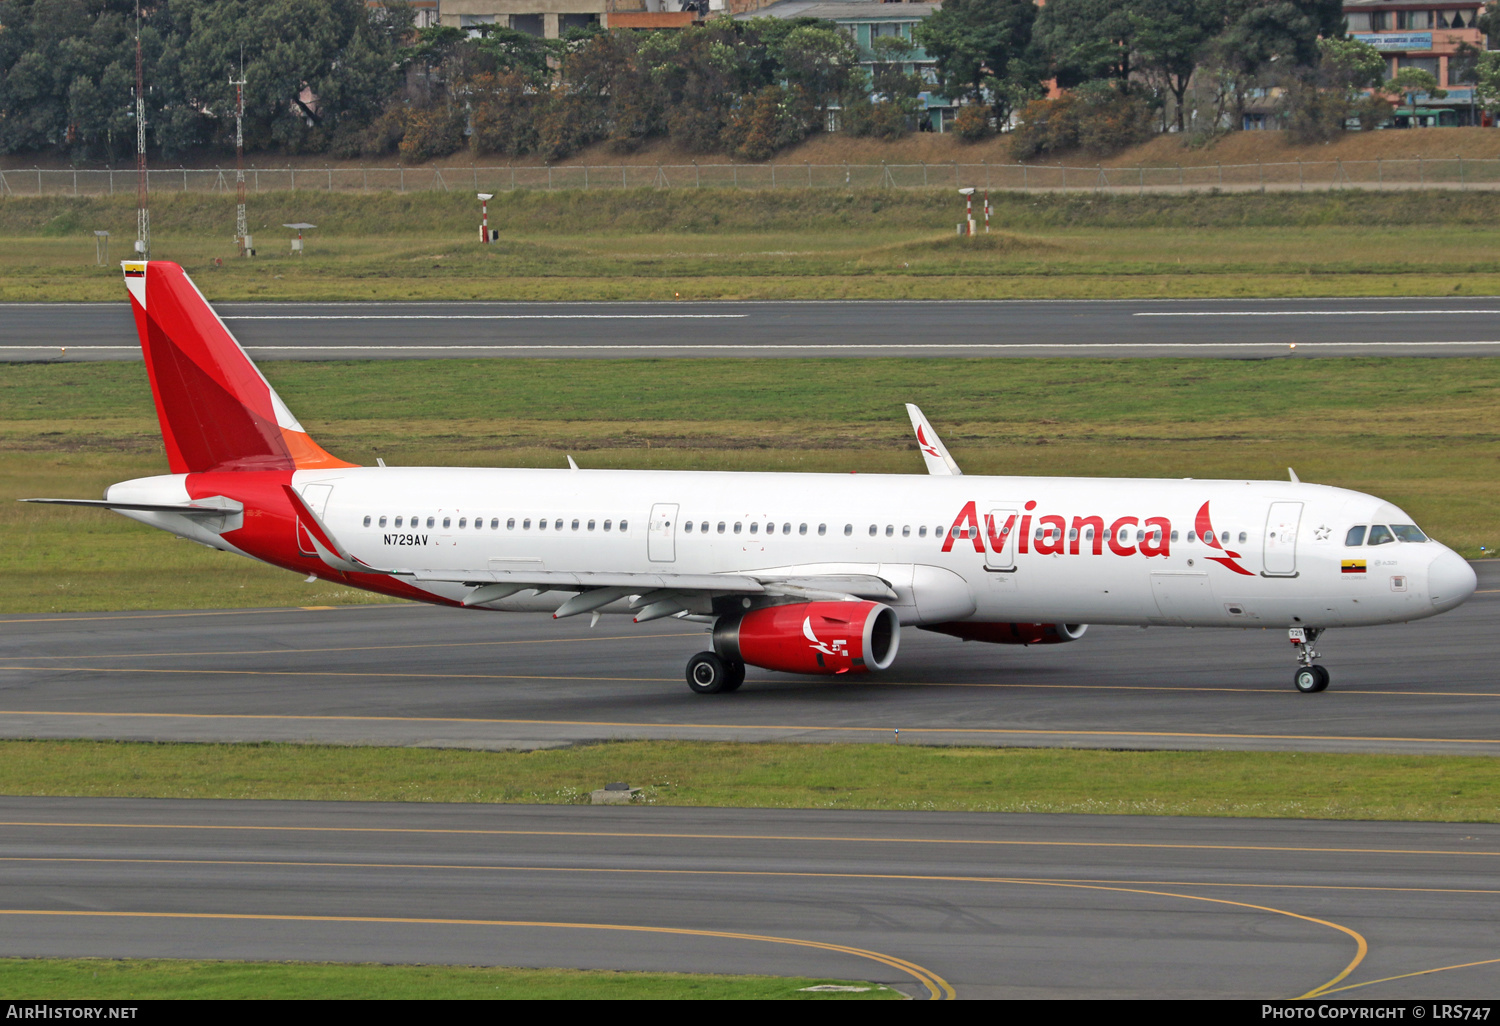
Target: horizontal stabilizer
184,508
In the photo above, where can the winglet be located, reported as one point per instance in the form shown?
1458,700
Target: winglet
323,542
934,452
1293,475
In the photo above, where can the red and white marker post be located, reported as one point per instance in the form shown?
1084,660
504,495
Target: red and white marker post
484,215
967,228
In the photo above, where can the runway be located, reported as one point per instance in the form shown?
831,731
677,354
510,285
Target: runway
935,904
1243,329
416,675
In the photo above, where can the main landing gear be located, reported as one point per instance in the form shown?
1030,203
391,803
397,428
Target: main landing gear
1310,678
710,674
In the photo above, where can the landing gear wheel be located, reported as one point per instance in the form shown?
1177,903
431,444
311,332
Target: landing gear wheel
707,674
1310,679
736,674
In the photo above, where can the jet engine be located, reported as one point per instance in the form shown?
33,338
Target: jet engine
1012,633
813,637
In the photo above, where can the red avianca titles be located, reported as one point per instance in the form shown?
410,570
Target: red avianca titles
804,573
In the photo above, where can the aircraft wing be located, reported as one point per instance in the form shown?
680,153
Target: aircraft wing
934,452
652,594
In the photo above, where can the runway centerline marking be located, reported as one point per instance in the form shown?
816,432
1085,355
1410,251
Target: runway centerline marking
490,317
1361,945
787,346
1407,976
1315,313
937,987
428,675
369,648
884,731
789,873
796,838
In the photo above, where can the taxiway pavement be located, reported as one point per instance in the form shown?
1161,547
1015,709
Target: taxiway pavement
1250,329
937,904
417,675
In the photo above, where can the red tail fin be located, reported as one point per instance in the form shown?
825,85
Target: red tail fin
217,412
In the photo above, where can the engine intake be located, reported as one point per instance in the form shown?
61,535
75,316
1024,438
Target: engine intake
1012,633
813,637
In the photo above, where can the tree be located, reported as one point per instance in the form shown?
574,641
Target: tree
1087,40
1170,37
980,44
1411,81
818,59
1487,80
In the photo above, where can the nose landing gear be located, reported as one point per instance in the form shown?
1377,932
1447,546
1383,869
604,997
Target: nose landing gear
1310,678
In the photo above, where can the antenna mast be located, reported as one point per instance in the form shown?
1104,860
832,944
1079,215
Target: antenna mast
143,212
241,228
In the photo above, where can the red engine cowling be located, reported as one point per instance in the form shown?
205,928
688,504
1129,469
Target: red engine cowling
1012,633
813,637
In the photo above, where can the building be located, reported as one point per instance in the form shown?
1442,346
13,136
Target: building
1430,36
865,21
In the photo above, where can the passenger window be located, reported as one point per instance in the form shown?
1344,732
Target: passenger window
787,528
447,521
1380,535
687,526
890,530
754,527
1356,536
721,527
1243,537
494,523
382,521
874,530
822,530
1073,534
367,521
848,530
526,524
607,524
624,524
575,525
906,530
937,532
801,528
510,524
922,531
557,524
703,527
737,526
430,521
462,522
591,525
541,524
1224,538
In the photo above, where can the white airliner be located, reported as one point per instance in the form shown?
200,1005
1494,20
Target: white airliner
804,573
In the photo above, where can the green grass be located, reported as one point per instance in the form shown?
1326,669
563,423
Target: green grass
717,244
1422,433
98,979
844,776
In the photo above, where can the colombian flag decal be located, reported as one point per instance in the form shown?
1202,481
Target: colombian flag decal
1353,566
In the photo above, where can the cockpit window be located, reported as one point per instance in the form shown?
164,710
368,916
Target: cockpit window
1356,536
1407,533
1380,535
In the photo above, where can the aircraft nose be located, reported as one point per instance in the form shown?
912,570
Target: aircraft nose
1450,580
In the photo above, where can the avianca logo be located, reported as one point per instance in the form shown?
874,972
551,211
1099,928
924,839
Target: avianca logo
1054,535
838,647
1205,530
927,446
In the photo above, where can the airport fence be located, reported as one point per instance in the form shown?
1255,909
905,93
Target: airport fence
1404,173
